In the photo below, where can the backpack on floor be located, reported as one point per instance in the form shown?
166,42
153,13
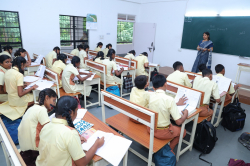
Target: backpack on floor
114,90
233,116
154,73
165,157
244,139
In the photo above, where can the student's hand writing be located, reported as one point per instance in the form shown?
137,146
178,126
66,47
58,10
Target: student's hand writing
83,140
185,112
182,101
34,87
100,142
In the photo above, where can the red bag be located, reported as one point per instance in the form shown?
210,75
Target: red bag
235,162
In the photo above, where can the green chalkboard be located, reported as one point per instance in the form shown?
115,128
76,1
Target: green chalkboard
230,35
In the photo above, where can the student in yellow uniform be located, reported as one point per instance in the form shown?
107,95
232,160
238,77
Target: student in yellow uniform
75,51
142,60
99,58
69,73
83,55
99,47
178,76
34,119
60,143
23,53
130,55
51,57
105,51
210,88
201,67
7,50
5,64
166,107
111,65
59,66
18,98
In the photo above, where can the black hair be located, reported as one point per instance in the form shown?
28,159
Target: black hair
110,53
208,34
56,48
141,81
99,44
18,52
158,81
62,57
206,72
219,68
6,48
80,47
75,60
85,47
145,53
132,52
99,54
108,45
46,92
64,106
177,65
202,67
0,48
17,62
4,57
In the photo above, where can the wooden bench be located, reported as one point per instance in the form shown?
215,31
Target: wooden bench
192,75
63,93
92,53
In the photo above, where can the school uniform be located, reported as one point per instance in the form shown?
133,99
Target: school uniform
140,97
58,67
110,78
105,51
15,107
82,54
5,53
98,49
130,56
3,97
95,71
59,144
141,59
165,106
179,78
211,89
69,73
49,59
75,52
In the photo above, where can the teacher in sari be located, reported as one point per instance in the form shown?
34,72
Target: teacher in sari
204,55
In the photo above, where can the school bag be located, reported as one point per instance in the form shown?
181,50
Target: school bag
154,73
114,90
244,139
233,116
235,162
165,157
128,83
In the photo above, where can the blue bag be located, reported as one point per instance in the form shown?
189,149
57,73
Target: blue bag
114,90
165,157
12,126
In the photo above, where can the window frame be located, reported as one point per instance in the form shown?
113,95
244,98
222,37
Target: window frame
125,20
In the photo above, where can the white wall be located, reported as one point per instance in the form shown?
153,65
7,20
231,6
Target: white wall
169,17
124,48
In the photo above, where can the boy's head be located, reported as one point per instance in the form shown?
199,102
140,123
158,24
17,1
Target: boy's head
141,82
159,81
220,69
202,67
178,66
207,73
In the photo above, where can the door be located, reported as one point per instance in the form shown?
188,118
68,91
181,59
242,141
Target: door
144,39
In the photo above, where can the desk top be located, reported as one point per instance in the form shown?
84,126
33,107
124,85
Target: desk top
244,64
96,76
44,78
198,110
166,71
33,65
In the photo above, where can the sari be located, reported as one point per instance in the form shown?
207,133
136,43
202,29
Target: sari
203,57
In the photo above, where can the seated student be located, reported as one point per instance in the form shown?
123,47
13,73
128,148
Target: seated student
111,65
130,55
166,107
60,143
142,60
99,57
7,50
105,51
51,57
75,51
99,47
201,67
23,53
18,98
83,55
178,76
59,66
210,88
69,73
32,122
5,64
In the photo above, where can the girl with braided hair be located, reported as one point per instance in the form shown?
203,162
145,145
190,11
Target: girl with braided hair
34,119
59,66
60,143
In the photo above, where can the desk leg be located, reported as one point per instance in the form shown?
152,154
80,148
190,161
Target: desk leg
99,91
180,141
133,78
220,112
193,131
237,75
122,83
215,109
125,159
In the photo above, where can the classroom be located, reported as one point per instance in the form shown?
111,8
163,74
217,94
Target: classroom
124,82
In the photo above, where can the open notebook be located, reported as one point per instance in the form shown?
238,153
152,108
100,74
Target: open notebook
223,83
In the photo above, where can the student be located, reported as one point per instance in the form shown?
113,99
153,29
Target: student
59,66
210,88
32,122
105,51
5,64
60,143
99,47
178,76
76,50
166,107
69,73
83,55
18,98
130,55
7,50
111,65
51,57
142,60
99,57
23,53
201,67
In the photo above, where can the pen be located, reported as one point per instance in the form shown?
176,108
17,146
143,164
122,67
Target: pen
185,107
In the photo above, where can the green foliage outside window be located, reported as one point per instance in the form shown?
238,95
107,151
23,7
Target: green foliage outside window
125,32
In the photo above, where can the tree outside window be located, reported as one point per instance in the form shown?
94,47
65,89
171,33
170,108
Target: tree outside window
125,32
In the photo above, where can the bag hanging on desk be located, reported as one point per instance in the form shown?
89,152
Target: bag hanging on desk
128,83
154,73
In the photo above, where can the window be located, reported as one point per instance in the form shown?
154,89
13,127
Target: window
10,33
125,28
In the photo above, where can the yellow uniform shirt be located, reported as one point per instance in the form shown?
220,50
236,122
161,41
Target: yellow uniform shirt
179,78
208,86
95,71
58,67
5,53
98,60
3,97
165,106
75,52
140,97
231,88
59,145
82,54
111,78
130,56
105,51
141,59
15,107
49,58
98,49
30,127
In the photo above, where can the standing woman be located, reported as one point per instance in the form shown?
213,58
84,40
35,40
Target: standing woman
59,66
142,60
83,55
23,53
204,55
105,51
7,50
99,47
5,64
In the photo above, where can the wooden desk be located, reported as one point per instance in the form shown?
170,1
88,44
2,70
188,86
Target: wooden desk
166,71
33,68
242,67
